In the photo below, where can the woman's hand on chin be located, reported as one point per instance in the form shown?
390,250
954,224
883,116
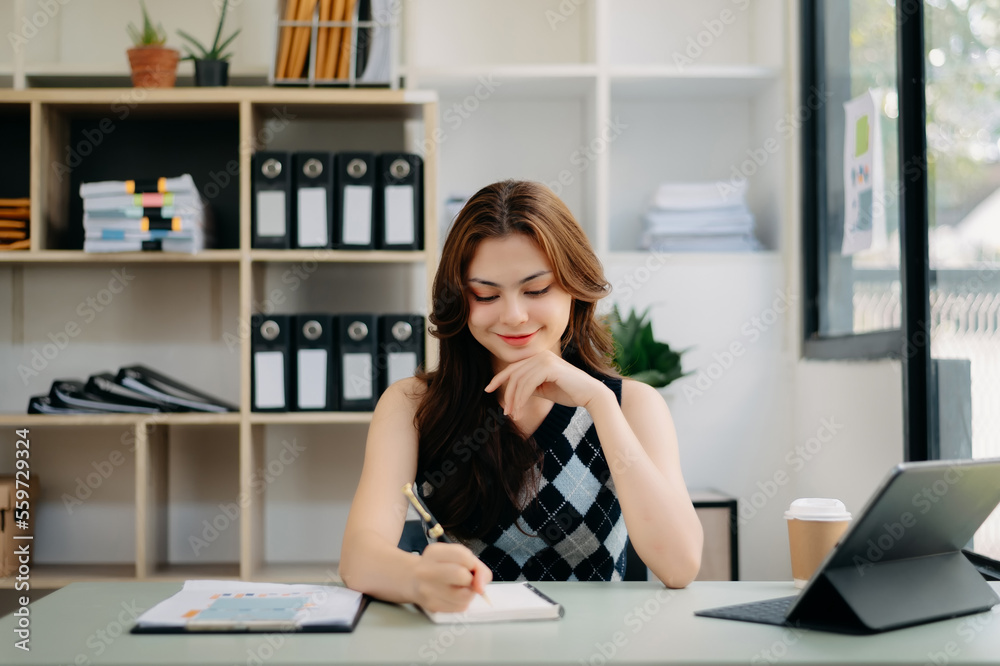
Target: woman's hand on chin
547,376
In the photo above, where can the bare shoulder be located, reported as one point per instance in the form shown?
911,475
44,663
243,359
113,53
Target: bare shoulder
411,388
643,406
400,398
649,417
394,420
638,396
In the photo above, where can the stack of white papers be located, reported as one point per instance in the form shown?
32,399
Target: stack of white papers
452,207
126,216
699,217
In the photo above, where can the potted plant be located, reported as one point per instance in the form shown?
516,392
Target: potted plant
153,64
638,355
211,65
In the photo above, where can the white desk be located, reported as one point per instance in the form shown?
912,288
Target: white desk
605,623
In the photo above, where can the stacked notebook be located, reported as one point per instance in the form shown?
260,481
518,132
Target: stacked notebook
14,215
134,390
165,214
699,217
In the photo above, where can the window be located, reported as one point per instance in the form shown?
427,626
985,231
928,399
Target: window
849,51
962,47
925,286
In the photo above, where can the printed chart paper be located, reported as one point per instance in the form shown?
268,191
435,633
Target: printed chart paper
244,603
864,175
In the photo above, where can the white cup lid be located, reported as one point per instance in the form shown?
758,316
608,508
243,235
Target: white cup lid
817,508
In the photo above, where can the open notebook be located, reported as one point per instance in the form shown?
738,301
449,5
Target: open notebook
511,602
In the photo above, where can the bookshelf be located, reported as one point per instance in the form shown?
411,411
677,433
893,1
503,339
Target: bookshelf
178,496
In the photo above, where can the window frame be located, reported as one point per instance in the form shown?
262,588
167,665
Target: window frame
910,343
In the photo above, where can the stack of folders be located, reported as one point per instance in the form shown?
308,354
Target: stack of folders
14,216
330,56
165,214
136,389
327,362
338,23
344,201
699,217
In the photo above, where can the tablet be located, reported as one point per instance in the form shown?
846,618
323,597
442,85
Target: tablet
900,562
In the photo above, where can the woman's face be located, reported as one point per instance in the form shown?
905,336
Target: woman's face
516,308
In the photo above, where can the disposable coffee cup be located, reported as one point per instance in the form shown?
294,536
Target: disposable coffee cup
815,524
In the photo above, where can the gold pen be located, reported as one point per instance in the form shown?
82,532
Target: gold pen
434,528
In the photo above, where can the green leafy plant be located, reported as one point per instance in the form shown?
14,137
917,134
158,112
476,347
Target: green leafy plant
638,355
150,35
217,50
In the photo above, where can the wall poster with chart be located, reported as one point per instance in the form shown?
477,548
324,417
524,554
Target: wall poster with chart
864,176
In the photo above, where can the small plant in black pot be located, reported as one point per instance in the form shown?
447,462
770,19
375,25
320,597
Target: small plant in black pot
211,65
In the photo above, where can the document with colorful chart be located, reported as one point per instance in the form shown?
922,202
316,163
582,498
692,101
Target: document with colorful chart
237,606
864,167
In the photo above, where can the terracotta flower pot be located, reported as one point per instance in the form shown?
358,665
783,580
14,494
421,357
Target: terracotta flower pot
153,66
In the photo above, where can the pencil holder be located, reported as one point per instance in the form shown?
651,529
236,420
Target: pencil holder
336,43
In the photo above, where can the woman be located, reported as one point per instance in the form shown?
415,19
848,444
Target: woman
526,445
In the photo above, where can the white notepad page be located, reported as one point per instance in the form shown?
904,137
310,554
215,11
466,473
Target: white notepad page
511,602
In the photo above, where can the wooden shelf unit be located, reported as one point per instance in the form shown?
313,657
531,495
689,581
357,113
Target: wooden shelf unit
234,279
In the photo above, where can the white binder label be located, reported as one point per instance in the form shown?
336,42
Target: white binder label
312,217
312,378
271,213
357,215
269,379
399,223
357,377
401,365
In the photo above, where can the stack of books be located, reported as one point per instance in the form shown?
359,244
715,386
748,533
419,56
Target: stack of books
699,217
166,214
14,216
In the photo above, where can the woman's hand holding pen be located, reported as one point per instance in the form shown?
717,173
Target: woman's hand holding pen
548,376
447,578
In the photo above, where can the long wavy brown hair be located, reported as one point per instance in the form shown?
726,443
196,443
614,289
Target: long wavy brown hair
478,462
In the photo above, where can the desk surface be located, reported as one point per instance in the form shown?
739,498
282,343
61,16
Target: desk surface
605,623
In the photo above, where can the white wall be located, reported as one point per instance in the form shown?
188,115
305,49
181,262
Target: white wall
759,424
847,421
93,33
